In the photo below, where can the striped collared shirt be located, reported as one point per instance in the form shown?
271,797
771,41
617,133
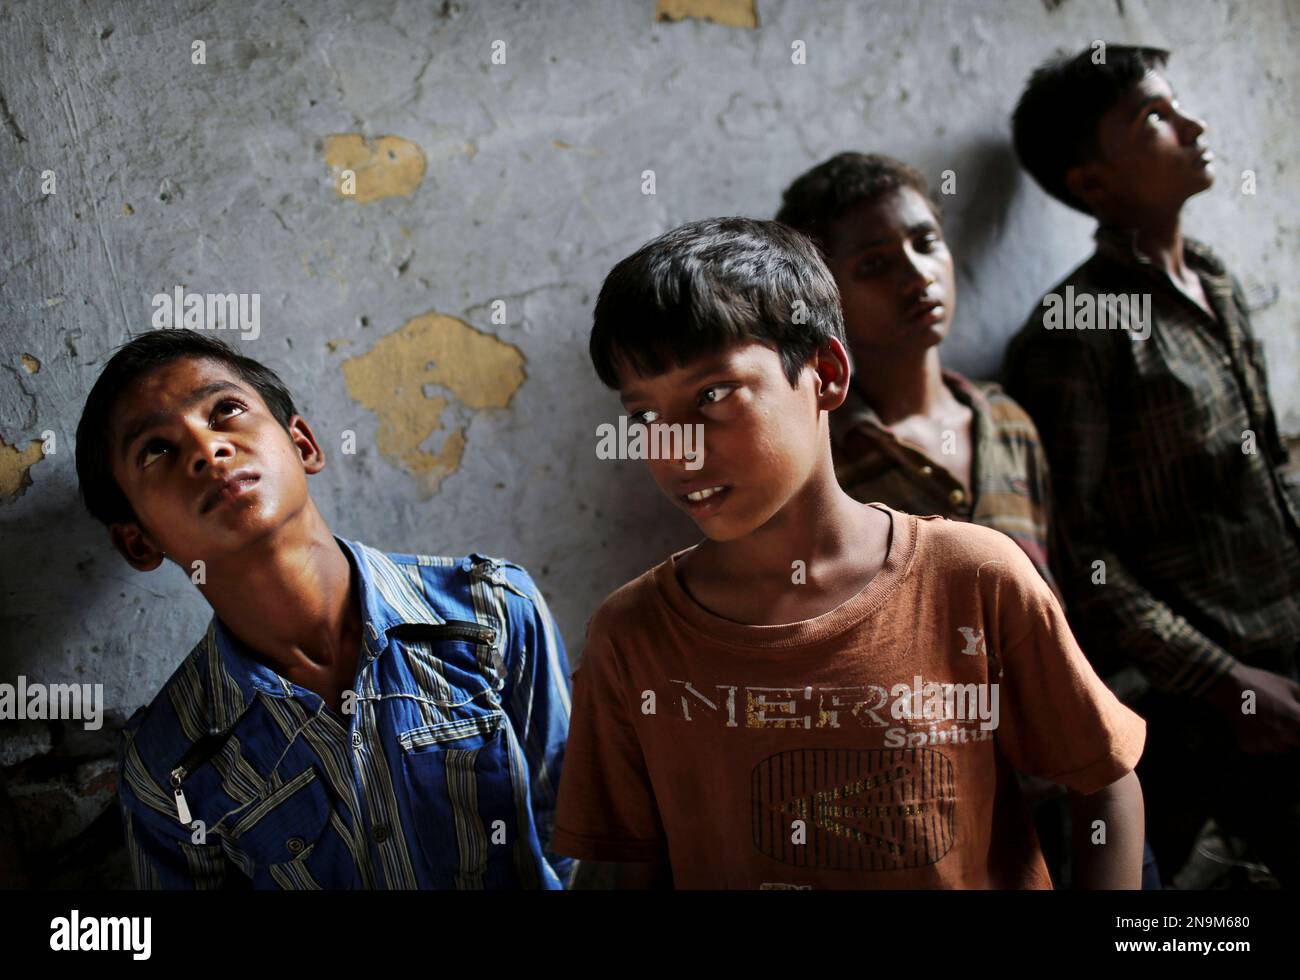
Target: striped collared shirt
1009,491
1179,537
440,772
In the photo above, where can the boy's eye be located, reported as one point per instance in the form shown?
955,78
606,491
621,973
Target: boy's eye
870,265
643,417
223,407
152,450
715,393
928,243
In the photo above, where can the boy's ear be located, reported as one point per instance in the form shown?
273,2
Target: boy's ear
304,440
1085,183
832,371
133,544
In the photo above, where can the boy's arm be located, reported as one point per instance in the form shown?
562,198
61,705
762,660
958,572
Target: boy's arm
1055,719
608,816
1064,383
537,703
1107,831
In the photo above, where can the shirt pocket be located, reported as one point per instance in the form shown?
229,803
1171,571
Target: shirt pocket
277,835
458,778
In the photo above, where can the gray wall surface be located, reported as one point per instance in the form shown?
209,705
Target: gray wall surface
519,182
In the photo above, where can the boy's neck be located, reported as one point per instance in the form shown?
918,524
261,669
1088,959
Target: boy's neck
904,384
293,602
1159,237
840,542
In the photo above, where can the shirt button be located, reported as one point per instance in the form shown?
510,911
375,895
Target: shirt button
380,834
957,497
356,740
295,845
927,470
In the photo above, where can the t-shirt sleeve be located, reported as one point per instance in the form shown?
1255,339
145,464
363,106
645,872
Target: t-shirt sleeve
607,809
1057,719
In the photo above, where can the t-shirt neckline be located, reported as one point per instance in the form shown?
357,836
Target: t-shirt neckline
902,546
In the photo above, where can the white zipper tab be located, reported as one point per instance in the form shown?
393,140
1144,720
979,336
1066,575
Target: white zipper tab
182,808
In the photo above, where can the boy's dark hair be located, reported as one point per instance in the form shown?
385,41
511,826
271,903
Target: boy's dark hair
99,490
709,284
820,196
1054,126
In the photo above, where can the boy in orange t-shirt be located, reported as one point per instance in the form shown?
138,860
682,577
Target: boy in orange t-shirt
822,693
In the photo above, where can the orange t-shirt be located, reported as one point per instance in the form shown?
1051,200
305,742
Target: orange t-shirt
870,747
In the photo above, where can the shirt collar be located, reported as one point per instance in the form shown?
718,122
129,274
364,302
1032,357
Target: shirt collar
390,597
856,415
1120,243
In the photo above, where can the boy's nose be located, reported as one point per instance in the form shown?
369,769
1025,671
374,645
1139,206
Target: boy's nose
913,273
1192,128
207,452
916,281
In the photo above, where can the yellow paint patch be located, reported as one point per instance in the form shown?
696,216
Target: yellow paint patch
387,167
127,210
728,13
478,369
14,478
31,364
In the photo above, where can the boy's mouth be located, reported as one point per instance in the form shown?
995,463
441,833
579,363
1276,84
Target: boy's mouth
704,499
925,311
228,488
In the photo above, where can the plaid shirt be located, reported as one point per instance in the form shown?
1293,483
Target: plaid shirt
1167,466
1010,491
443,774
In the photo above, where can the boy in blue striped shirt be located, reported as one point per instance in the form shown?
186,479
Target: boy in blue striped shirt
351,718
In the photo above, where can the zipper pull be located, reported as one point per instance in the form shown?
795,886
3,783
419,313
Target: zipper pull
182,808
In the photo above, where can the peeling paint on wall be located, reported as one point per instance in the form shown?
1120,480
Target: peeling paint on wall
30,364
14,464
476,368
728,13
386,167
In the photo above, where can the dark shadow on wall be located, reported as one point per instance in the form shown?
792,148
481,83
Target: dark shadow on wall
975,221
987,184
59,820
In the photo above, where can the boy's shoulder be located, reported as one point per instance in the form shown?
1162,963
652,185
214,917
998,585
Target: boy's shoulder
159,732
452,573
961,549
1004,410
632,605
938,549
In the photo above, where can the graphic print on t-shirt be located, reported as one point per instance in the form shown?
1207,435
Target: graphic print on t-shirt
858,810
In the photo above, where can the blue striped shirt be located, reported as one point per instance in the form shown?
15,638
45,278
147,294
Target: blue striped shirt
440,773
